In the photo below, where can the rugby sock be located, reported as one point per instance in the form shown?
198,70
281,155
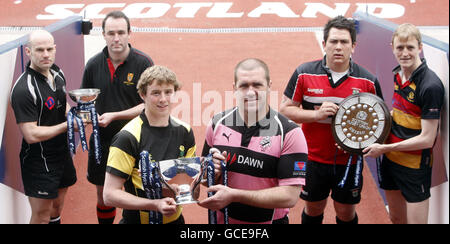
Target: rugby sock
354,221
55,220
306,219
105,214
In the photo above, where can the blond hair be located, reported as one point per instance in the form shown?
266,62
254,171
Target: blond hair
405,31
160,74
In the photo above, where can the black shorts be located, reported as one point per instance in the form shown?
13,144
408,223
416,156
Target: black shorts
414,184
43,179
282,221
323,178
96,172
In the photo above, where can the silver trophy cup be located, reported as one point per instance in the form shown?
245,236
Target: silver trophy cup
183,177
84,96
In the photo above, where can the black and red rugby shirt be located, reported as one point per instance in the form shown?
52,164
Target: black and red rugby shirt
270,153
421,97
311,84
118,86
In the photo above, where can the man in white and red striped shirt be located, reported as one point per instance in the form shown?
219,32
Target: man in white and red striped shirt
265,153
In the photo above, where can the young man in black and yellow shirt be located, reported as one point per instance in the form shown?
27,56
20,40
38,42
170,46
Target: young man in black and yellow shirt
155,131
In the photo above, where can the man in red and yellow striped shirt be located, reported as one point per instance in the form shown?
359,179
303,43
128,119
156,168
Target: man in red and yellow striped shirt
405,172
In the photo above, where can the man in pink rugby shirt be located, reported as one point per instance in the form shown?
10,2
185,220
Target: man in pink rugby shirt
265,153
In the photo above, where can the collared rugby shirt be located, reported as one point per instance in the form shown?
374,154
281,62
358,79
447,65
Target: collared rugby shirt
118,86
162,143
271,153
311,84
421,97
33,100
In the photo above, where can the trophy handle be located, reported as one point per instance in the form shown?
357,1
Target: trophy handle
161,177
199,177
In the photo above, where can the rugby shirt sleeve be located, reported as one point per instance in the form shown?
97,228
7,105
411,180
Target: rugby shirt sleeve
294,154
121,161
293,87
23,103
432,100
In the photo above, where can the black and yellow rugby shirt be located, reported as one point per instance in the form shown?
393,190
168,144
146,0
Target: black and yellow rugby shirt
421,97
174,141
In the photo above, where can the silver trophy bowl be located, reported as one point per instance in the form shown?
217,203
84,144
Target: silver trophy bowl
183,177
84,96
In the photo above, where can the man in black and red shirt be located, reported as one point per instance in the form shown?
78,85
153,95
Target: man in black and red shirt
115,71
311,98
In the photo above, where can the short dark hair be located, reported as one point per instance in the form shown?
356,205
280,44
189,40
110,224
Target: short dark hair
250,64
116,15
340,22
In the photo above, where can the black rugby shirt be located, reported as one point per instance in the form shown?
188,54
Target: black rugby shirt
118,86
32,99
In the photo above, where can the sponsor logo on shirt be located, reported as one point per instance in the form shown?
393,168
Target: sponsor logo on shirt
226,136
355,90
245,160
315,90
50,103
231,160
433,110
251,162
299,168
59,105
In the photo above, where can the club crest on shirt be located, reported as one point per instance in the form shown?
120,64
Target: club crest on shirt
182,151
129,80
265,143
411,97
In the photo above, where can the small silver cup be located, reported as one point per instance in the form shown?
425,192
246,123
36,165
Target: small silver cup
84,96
